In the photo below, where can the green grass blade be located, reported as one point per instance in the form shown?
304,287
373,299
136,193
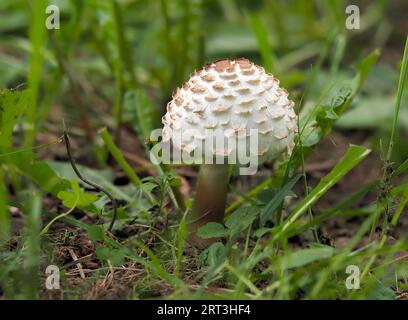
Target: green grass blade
352,157
122,57
12,106
276,201
181,237
117,154
37,39
337,209
155,265
401,169
4,214
146,117
264,45
401,83
32,252
400,208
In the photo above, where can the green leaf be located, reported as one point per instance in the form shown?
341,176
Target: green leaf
212,230
241,219
212,254
46,177
364,67
381,292
12,106
303,257
275,202
5,216
101,177
148,186
77,198
96,233
371,113
260,232
323,117
115,256
38,171
175,182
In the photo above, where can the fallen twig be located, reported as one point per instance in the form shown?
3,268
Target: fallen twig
78,264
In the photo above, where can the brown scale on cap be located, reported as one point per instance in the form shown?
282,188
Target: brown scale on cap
261,92
244,63
272,99
246,102
210,124
225,123
210,97
243,90
228,96
234,82
219,86
253,81
221,65
198,88
260,121
248,71
178,100
244,112
220,109
229,76
208,78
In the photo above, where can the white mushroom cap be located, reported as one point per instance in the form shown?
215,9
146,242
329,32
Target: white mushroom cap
233,97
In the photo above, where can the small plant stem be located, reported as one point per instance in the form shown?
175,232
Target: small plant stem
92,184
306,190
209,202
175,191
387,168
402,78
64,214
387,175
38,147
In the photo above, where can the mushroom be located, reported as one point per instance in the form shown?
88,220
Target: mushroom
234,103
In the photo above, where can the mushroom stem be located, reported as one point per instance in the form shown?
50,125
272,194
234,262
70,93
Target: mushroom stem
209,202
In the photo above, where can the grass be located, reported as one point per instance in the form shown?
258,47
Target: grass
289,232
